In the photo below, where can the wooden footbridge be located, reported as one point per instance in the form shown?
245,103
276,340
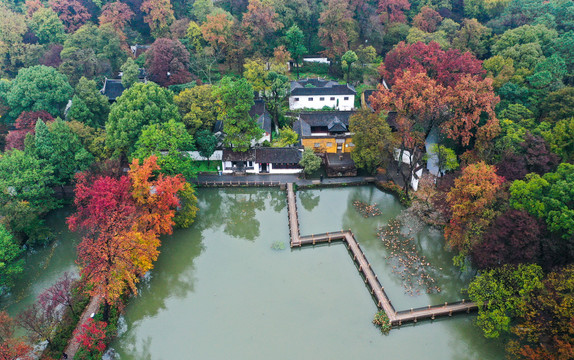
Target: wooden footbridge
364,267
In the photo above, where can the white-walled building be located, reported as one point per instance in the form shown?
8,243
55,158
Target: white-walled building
318,93
263,160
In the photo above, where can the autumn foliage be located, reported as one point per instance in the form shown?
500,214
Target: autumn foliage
72,13
472,201
513,238
168,62
91,335
545,327
24,124
393,10
121,219
10,346
427,20
433,87
446,67
119,15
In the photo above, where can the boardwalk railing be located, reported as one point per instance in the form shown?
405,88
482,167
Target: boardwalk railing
230,183
364,267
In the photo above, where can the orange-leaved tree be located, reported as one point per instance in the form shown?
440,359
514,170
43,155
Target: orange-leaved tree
10,346
121,219
468,100
472,200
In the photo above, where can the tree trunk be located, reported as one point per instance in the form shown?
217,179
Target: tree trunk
297,66
106,314
348,73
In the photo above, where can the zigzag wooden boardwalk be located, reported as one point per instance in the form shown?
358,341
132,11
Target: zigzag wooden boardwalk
364,267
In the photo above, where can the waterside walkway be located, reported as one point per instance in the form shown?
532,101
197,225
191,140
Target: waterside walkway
364,267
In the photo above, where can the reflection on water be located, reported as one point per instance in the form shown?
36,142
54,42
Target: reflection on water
214,295
44,266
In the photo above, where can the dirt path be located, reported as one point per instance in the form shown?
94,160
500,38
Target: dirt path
92,308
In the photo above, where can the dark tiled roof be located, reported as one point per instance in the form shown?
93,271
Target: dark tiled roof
336,126
342,160
278,155
230,155
267,155
366,95
320,87
218,126
261,115
113,89
306,120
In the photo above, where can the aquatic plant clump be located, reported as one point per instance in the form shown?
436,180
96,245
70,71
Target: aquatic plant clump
413,268
278,245
382,321
366,210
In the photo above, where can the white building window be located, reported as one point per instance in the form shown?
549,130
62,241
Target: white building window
322,99
310,99
329,144
332,98
296,99
346,98
317,145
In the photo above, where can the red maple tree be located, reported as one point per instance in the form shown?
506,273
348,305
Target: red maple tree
119,15
72,13
392,11
11,347
168,62
91,335
427,20
446,67
105,212
24,124
468,100
122,219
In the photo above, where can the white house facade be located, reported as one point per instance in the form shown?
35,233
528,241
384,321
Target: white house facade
318,93
264,160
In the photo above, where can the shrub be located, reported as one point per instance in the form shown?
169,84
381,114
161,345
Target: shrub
382,321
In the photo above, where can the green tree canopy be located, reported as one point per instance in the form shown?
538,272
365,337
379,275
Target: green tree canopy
446,158
206,143
89,106
25,192
372,138
10,263
234,100
170,142
501,294
296,44
47,26
287,137
61,148
37,88
197,108
561,139
347,61
130,73
309,161
549,197
140,105
92,51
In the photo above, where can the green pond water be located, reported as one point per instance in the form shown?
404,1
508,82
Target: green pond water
44,266
231,288
221,291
